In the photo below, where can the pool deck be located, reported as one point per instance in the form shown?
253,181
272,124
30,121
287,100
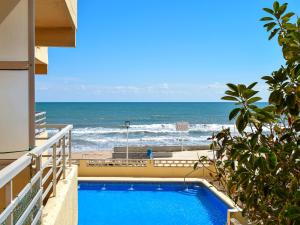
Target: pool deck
220,194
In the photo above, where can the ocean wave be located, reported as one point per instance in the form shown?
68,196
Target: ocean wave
109,143
170,139
103,138
151,128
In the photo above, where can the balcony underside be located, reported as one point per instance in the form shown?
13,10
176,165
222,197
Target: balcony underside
55,36
56,22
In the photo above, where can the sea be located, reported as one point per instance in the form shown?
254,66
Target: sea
99,126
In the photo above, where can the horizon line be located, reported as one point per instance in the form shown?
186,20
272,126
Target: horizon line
140,102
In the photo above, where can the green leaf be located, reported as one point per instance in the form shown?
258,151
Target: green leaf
241,123
232,93
272,159
269,108
273,33
195,165
252,85
293,212
263,150
282,8
276,6
248,93
229,98
270,25
232,87
266,18
291,101
275,97
241,88
259,163
290,26
297,125
267,78
254,99
268,10
287,16
233,113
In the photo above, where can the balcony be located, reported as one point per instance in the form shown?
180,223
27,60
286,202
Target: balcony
27,183
56,22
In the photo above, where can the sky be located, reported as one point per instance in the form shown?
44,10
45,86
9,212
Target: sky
161,50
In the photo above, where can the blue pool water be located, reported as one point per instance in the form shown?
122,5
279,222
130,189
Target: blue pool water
149,204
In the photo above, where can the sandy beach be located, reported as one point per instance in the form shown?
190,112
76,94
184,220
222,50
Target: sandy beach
107,154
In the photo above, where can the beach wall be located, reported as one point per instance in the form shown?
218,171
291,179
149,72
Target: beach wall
140,152
149,170
174,148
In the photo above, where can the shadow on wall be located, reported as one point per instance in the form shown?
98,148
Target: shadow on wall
6,8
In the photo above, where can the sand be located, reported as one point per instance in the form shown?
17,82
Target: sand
103,154
107,154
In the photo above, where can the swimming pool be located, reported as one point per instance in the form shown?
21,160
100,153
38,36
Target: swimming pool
112,203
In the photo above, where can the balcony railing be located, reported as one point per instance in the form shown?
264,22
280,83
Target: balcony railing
174,163
116,162
139,162
40,123
47,164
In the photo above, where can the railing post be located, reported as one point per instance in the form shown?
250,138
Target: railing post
39,169
54,169
70,148
8,199
59,142
64,156
228,217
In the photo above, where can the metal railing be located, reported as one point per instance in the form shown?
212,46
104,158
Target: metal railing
116,162
47,164
174,163
139,163
40,123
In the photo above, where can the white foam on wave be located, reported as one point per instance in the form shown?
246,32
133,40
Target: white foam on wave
151,128
91,138
169,139
110,143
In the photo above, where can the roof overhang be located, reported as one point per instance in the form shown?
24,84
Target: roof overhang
56,23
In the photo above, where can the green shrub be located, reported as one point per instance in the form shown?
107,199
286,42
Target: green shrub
260,166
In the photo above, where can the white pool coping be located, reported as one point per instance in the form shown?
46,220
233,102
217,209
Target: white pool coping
219,194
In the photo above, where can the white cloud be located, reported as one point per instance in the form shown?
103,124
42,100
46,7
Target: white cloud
65,89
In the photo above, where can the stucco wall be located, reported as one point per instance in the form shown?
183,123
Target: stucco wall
14,31
149,171
14,104
14,113
63,208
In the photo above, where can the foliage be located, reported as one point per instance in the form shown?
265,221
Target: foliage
260,166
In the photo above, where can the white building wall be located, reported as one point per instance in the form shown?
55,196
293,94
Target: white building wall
14,103
14,130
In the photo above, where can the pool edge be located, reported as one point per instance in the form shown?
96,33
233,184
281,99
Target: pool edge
219,194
